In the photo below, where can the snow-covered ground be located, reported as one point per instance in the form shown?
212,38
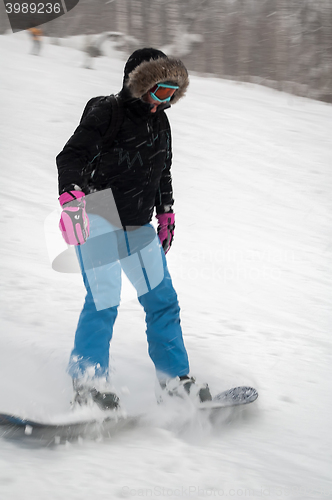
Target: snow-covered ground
251,263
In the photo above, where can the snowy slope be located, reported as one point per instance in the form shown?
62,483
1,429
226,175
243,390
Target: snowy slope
252,267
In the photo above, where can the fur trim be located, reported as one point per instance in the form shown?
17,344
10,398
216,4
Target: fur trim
148,73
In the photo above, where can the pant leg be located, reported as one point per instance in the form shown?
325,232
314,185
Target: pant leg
90,355
164,333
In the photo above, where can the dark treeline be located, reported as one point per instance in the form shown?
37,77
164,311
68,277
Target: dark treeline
286,44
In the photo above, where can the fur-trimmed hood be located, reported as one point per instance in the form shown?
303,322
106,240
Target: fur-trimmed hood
153,66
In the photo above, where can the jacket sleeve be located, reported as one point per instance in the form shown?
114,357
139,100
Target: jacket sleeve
164,197
83,146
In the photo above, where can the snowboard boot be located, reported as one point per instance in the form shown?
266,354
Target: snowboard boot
185,387
86,395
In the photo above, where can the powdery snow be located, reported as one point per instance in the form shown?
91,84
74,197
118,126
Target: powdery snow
251,263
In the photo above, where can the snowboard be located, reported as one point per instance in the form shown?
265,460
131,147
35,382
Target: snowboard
232,397
15,427
47,433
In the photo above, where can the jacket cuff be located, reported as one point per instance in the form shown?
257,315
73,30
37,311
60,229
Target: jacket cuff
70,187
164,209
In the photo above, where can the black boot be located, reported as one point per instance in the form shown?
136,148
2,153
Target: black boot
187,387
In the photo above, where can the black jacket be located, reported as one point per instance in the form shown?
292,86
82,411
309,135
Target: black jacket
136,166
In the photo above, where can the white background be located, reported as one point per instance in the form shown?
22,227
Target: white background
251,263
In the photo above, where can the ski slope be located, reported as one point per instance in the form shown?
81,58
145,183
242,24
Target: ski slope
251,263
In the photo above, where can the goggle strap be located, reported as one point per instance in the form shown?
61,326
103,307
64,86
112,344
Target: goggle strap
168,86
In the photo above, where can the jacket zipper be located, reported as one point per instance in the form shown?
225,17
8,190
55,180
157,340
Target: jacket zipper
150,132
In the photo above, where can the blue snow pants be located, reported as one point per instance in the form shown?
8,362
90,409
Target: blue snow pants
106,252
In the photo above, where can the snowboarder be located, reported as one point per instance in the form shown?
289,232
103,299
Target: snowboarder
135,168
91,50
36,36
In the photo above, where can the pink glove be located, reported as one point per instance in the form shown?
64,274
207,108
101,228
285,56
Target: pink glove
74,222
166,230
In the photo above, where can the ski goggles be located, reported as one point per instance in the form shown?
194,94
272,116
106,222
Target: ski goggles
163,92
